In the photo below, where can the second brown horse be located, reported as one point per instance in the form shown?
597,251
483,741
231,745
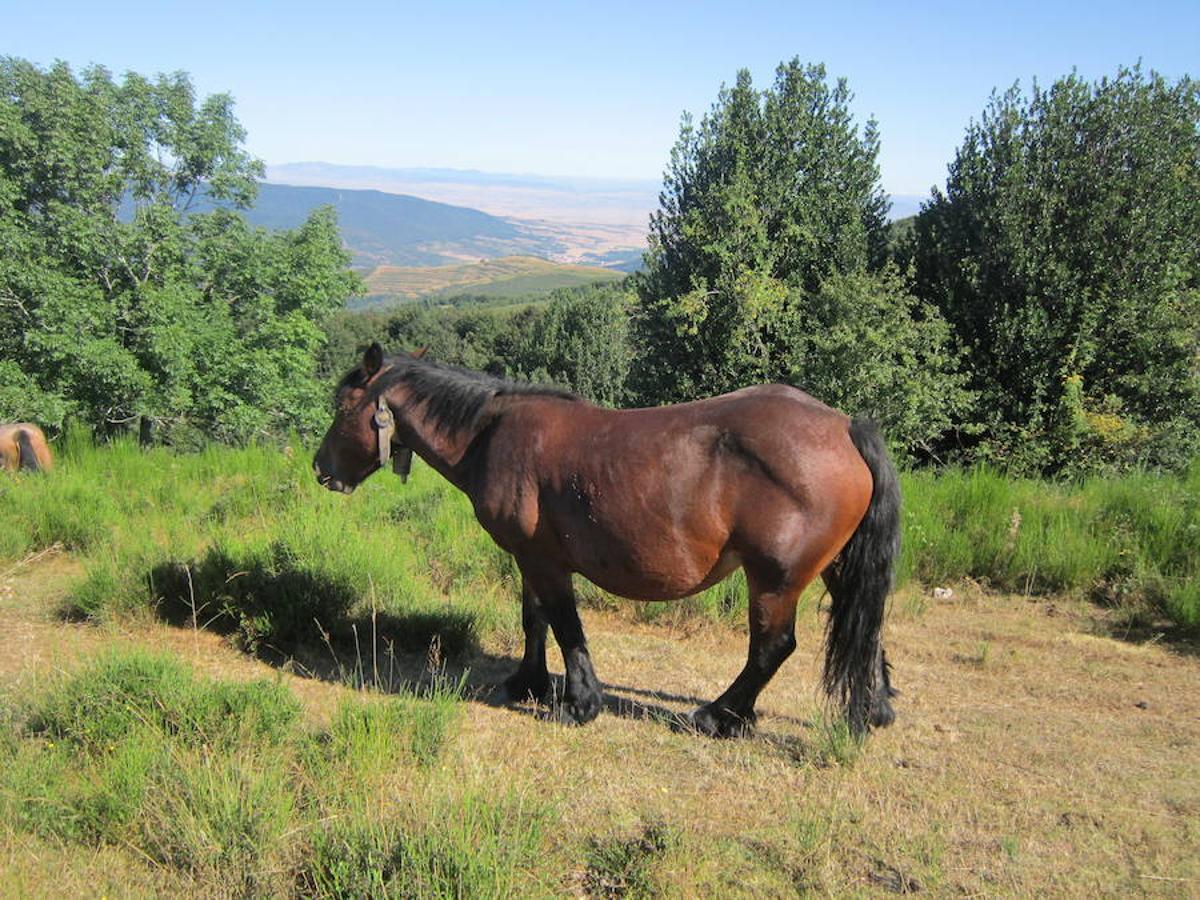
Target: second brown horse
651,504
23,446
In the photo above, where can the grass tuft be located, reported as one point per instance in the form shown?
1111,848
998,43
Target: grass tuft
131,691
624,866
462,845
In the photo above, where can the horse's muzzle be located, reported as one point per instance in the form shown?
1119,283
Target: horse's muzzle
328,481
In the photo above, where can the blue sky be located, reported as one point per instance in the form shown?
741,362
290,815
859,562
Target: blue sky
593,88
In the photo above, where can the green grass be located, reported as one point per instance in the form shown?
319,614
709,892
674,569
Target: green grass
244,540
461,845
121,693
1132,541
224,781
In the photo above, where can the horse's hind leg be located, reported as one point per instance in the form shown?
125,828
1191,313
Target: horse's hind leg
772,640
531,680
555,602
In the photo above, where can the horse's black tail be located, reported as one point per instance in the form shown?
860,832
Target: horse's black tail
856,671
27,452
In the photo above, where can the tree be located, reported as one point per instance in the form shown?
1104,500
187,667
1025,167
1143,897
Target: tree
577,338
120,303
1065,252
580,339
771,228
773,188
868,346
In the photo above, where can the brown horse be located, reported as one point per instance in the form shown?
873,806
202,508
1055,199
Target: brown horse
23,446
651,504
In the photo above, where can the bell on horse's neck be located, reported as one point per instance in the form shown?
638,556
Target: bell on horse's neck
402,463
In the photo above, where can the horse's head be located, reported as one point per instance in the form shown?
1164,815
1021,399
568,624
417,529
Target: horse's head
360,439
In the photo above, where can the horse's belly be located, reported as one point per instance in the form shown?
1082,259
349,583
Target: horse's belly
662,579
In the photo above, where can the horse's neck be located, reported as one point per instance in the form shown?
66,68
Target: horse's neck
443,450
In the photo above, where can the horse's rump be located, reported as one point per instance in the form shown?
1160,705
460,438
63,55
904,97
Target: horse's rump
23,446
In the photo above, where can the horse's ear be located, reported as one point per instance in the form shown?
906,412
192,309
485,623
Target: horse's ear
372,360
418,354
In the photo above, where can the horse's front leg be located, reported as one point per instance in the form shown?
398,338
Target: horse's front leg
531,680
554,598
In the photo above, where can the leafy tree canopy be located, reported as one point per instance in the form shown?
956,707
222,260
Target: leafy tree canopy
578,338
766,259
1065,252
779,182
195,323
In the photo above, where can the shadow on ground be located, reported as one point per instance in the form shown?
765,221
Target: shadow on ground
1140,628
303,623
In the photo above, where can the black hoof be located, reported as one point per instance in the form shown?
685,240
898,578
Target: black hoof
882,714
579,711
520,687
719,722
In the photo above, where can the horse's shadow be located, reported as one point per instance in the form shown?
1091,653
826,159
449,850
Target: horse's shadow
388,652
478,674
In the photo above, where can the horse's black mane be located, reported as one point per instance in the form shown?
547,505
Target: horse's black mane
454,397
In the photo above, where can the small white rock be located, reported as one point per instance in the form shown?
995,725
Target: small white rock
941,593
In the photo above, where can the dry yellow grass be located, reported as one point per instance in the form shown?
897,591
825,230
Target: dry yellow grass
1033,754
503,276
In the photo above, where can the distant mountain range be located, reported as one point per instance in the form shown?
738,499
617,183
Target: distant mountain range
334,173
394,229
574,221
588,221
627,201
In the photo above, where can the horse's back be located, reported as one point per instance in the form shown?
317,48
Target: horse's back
773,433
